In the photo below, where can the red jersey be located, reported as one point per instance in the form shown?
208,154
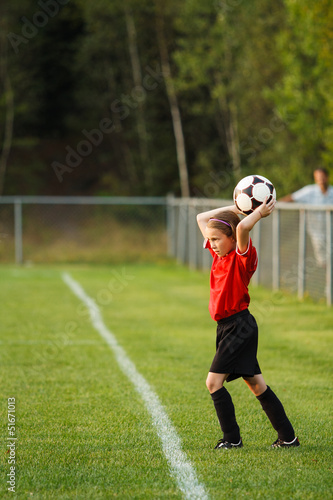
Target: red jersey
229,279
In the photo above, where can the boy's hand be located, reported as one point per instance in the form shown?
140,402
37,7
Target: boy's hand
266,208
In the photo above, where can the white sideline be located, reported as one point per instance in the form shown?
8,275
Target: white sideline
180,466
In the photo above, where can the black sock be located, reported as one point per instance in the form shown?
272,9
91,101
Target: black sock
225,411
274,410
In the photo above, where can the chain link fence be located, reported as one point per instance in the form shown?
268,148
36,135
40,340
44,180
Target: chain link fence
294,244
82,229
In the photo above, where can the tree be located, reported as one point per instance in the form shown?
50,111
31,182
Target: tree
198,93
173,101
225,59
8,108
304,91
137,80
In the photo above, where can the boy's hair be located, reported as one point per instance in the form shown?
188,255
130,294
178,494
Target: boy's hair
226,221
323,170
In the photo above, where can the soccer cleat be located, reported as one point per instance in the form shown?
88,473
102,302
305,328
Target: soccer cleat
226,445
279,443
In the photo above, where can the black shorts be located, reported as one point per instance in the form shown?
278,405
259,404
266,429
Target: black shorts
236,346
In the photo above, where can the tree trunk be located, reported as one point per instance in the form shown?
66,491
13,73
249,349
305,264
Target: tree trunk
233,139
228,111
9,119
228,115
119,136
137,79
174,107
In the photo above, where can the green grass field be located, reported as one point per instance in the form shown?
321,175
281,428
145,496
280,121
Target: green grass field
84,432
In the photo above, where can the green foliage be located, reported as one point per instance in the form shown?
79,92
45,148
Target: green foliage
223,74
305,47
253,80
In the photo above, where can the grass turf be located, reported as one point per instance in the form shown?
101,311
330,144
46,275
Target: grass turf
83,431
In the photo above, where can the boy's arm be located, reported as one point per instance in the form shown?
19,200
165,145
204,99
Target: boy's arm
244,227
203,218
289,198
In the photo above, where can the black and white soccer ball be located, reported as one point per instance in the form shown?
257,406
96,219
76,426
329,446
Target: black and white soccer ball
251,191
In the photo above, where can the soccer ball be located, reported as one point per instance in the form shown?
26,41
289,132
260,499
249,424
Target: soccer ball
251,191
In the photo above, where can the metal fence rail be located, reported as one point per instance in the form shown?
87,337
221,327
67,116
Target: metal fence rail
294,244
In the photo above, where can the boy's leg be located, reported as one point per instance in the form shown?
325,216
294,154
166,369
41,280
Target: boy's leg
224,407
272,406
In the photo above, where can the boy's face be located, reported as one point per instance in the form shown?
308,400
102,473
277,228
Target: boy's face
219,242
321,179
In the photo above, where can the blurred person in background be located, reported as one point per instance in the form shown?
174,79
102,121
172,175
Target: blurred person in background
320,193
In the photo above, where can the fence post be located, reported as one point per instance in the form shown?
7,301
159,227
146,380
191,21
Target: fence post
276,249
171,224
192,236
182,222
301,253
329,266
18,231
256,241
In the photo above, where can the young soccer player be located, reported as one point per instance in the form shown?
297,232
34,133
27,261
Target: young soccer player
234,262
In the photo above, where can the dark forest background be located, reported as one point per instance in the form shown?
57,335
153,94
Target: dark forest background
129,97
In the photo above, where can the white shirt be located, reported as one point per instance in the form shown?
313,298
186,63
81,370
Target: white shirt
314,195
